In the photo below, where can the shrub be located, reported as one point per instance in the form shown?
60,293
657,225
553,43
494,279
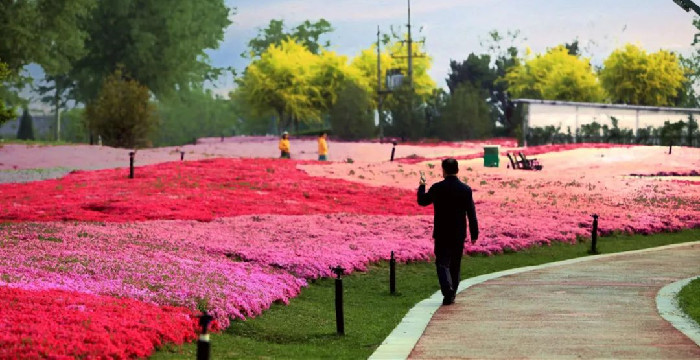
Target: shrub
122,113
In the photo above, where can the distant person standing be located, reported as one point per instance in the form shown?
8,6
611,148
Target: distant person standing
452,204
322,147
284,146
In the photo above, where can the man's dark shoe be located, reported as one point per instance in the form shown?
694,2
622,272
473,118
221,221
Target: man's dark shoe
449,299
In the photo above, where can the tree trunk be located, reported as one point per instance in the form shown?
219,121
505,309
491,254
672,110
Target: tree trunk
57,109
280,120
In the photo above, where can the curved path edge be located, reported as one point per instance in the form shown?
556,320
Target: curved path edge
669,309
402,340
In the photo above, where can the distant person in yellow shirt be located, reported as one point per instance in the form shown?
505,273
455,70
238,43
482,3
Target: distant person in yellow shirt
284,146
322,147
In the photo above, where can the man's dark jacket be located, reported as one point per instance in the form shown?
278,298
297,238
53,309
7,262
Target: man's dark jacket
453,203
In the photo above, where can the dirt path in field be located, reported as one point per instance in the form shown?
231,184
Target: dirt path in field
600,308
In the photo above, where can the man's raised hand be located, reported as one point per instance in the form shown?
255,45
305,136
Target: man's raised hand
422,178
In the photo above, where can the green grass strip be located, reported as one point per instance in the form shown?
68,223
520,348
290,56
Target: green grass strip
689,299
305,329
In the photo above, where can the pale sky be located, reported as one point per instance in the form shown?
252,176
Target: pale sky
453,28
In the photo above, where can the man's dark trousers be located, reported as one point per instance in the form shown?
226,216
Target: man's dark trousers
448,259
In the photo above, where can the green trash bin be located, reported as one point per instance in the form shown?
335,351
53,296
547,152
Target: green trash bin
491,156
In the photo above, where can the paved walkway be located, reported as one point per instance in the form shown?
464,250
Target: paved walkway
589,308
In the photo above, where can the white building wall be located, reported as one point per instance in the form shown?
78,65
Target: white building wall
564,116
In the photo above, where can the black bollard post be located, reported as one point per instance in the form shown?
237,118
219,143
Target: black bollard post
182,155
670,148
392,274
131,164
393,151
594,235
339,317
203,345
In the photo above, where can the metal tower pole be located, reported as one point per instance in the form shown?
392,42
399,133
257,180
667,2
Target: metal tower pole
410,48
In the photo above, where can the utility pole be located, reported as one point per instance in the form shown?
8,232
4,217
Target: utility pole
379,87
410,56
410,48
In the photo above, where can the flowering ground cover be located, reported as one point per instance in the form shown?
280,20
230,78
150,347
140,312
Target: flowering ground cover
120,261
234,236
56,324
202,190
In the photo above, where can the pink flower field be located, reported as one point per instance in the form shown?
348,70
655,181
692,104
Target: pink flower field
232,230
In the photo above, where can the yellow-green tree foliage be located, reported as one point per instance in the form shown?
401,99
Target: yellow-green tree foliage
122,113
555,75
281,80
366,64
295,83
332,73
632,76
5,112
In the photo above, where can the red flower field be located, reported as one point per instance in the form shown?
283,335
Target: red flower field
202,190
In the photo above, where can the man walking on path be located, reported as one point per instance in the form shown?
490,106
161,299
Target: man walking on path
452,202
322,147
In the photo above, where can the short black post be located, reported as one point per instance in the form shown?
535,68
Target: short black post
392,274
182,155
203,345
339,317
594,235
131,164
393,151
670,148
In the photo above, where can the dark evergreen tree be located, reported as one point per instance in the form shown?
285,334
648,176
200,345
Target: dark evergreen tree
26,126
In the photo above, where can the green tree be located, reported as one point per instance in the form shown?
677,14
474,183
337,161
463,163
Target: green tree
122,114
307,33
632,76
74,126
6,113
573,48
160,43
47,32
475,70
332,73
555,75
351,115
251,121
57,93
672,133
590,132
26,126
406,115
504,51
693,134
192,114
483,72
465,116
